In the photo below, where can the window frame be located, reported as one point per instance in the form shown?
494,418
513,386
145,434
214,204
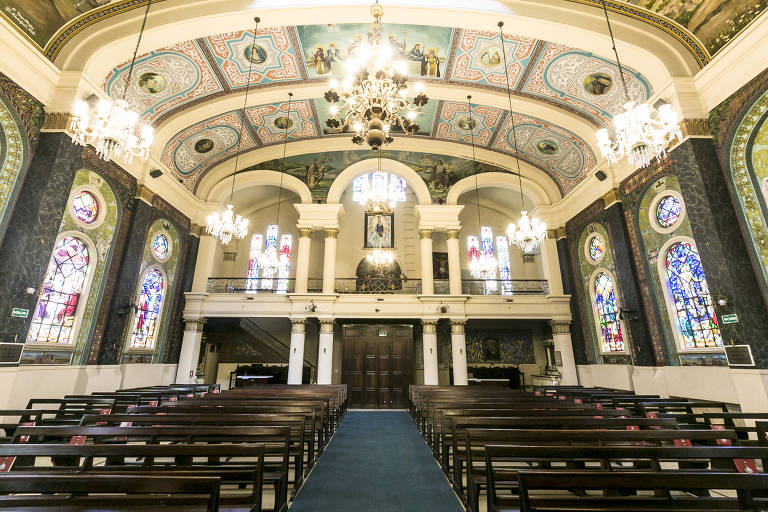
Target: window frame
168,240
101,205
596,316
654,206
158,324
587,243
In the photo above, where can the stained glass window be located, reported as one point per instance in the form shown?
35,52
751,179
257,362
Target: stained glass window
54,316
473,248
486,248
160,246
668,211
359,187
502,249
85,207
396,188
284,266
268,273
379,184
607,311
252,282
150,300
694,311
596,248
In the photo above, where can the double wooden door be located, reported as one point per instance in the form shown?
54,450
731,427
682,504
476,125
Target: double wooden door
377,365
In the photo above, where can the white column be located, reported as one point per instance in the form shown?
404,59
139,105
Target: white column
302,260
459,352
325,352
186,371
454,260
427,281
551,264
206,254
329,260
296,356
561,334
429,341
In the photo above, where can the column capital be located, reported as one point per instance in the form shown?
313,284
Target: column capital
611,197
305,232
425,233
452,234
331,232
560,326
326,325
556,234
457,326
298,325
145,194
194,325
196,230
429,326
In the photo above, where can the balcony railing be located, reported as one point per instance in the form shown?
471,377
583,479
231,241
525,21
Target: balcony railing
505,286
378,285
255,286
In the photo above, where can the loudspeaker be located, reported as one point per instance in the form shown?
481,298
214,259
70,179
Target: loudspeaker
600,175
155,173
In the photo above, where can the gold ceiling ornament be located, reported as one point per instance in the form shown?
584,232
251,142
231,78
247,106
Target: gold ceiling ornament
373,98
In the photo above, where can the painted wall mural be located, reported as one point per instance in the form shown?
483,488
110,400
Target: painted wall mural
40,19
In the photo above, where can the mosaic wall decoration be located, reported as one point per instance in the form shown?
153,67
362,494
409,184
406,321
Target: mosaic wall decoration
501,346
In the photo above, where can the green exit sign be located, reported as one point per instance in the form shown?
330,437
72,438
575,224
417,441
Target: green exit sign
730,319
19,313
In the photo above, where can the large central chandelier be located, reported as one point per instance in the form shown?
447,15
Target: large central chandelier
380,202
638,136
226,225
527,233
113,128
374,92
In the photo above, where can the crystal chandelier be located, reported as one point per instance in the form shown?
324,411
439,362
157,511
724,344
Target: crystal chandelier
380,257
638,136
113,128
527,233
374,92
379,203
379,199
226,225
481,266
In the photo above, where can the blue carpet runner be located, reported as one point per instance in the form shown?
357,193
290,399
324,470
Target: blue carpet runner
376,461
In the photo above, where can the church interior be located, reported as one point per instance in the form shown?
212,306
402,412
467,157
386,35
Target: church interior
505,255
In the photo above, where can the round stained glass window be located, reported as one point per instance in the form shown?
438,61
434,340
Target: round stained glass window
85,207
160,246
596,248
668,211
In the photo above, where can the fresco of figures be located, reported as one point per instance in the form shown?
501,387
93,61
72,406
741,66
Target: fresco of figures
40,19
326,47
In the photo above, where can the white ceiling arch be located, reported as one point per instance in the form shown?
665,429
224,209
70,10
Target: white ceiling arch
346,176
531,189
220,191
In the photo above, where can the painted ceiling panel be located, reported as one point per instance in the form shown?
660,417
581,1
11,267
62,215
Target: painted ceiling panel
455,123
479,58
271,121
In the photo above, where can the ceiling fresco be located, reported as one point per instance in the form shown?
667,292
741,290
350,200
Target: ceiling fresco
563,155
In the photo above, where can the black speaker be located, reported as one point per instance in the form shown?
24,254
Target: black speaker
155,173
600,175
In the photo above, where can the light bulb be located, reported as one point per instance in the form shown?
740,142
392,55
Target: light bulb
334,83
419,86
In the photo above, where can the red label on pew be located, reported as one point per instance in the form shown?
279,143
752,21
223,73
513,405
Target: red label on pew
578,401
77,440
599,406
561,397
6,463
633,427
742,465
218,391
203,394
153,403
190,395
721,442
535,393
653,416
683,443
173,399
103,412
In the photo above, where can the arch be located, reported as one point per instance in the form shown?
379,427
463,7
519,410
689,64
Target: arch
64,291
219,192
346,176
13,154
687,297
611,332
532,189
150,302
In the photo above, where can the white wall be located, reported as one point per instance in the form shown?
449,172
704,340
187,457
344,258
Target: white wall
20,384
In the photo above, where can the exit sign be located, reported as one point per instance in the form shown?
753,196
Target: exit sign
730,319
19,313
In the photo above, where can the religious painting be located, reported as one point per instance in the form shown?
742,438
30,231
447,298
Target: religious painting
547,147
598,84
152,83
423,48
40,19
491,349
440,265
379,230
203,145
255,53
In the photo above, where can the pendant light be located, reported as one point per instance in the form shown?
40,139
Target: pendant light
638,136
482,264
113,128
379,204
527,233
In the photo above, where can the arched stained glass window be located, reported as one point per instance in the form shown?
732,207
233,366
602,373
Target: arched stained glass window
668,211
397,188
694,311
596,248
486,248
150,300
270,246
359,187
284,265
160,247
54,316
502,249
607,311
473,248
379,184
252,283
85,206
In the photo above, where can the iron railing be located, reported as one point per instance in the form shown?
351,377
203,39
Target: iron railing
505,286
378,285
254,286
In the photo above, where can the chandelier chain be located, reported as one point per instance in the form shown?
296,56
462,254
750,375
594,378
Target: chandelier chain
282,165
474,159
136,50
616,53
511,114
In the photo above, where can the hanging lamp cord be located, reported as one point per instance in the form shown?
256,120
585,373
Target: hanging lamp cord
616,53
244,113
136,50
511,115
474,159
282,166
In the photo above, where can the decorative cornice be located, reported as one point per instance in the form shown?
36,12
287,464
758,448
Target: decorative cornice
305,232
331,232
452,234
611,197
196,230
175,215
559,233
57,121
695,128
560,326
425,234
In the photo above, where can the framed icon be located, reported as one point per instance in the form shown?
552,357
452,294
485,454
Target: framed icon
379,230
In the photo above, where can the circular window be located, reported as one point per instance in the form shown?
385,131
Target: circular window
668,211
160,247
595,249
85,207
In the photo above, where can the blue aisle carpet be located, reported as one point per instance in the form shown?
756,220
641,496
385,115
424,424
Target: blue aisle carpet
376,461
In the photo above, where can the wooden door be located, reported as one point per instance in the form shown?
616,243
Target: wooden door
377,364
